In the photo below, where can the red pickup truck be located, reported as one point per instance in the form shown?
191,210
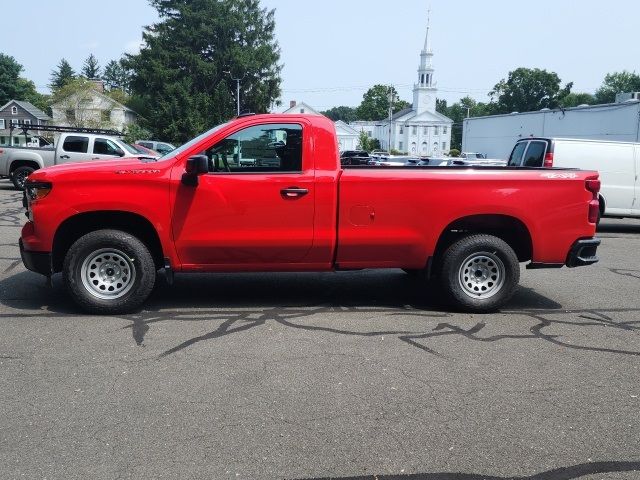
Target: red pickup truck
268,193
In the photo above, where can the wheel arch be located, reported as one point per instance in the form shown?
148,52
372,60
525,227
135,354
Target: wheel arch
510,229
80,224
15,164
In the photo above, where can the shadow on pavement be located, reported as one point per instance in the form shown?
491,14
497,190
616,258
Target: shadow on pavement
563,473
237,303
629,226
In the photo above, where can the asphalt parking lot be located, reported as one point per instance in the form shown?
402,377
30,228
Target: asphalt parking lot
304,376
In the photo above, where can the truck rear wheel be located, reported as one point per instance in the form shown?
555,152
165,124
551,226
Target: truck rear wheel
19,175
109,272
479,273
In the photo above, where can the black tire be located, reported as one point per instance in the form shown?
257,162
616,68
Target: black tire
19,175
479,273
132,269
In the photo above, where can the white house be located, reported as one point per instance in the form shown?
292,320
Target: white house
92,108
298,108
347,136
496,135
418,130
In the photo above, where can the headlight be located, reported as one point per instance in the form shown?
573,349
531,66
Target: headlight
37,190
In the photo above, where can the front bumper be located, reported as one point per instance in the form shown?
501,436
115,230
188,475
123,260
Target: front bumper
39,262
583,252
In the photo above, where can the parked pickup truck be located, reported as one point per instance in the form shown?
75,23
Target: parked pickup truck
19,162
267,193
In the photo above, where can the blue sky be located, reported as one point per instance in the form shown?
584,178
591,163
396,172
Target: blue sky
333,50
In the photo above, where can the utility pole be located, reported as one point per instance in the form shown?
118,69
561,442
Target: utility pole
237,80
390,115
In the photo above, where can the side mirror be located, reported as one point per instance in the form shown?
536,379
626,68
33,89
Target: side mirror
196,165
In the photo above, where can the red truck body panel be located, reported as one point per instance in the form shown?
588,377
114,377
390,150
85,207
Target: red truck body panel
354,218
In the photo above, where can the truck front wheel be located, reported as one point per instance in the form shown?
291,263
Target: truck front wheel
479,273
109,272
19,175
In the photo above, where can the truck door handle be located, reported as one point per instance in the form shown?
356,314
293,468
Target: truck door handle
294,192
64,157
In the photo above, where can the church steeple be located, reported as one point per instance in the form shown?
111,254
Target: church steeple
424,92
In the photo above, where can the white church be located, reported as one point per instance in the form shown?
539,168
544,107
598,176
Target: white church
418,130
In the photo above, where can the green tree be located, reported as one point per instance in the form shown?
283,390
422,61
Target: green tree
116,76
14,87
134,132
346,114
527,90
62,75
27,91
179,77
375,103
9,74
617,82
365,142
575,99
91,68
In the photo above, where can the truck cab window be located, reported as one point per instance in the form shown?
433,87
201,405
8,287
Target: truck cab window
535,154
261,148
104,146
515,160
76,144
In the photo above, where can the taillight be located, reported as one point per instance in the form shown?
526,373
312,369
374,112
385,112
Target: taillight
593,186
548,160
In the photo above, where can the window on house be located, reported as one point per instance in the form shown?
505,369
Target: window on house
262,148
401,129
2,124
369,134
105,115
302,110
14,110
444,146
444,130
435,132
70,113
425,130
414,130
76,144
400,146
16,141
26,121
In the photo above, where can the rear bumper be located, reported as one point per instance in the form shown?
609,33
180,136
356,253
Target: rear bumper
39,262
583,252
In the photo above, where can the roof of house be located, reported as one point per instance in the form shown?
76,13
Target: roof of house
29,107
402,113
308,108
345,128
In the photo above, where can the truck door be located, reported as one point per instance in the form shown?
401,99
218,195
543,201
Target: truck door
256,204
105,148
73,148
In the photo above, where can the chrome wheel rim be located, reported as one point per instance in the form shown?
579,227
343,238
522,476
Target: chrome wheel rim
21,178
108,273
481,275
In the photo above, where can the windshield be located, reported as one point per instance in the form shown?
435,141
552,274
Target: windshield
129,148
191,143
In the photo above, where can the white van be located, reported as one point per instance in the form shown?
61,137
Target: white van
617,162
